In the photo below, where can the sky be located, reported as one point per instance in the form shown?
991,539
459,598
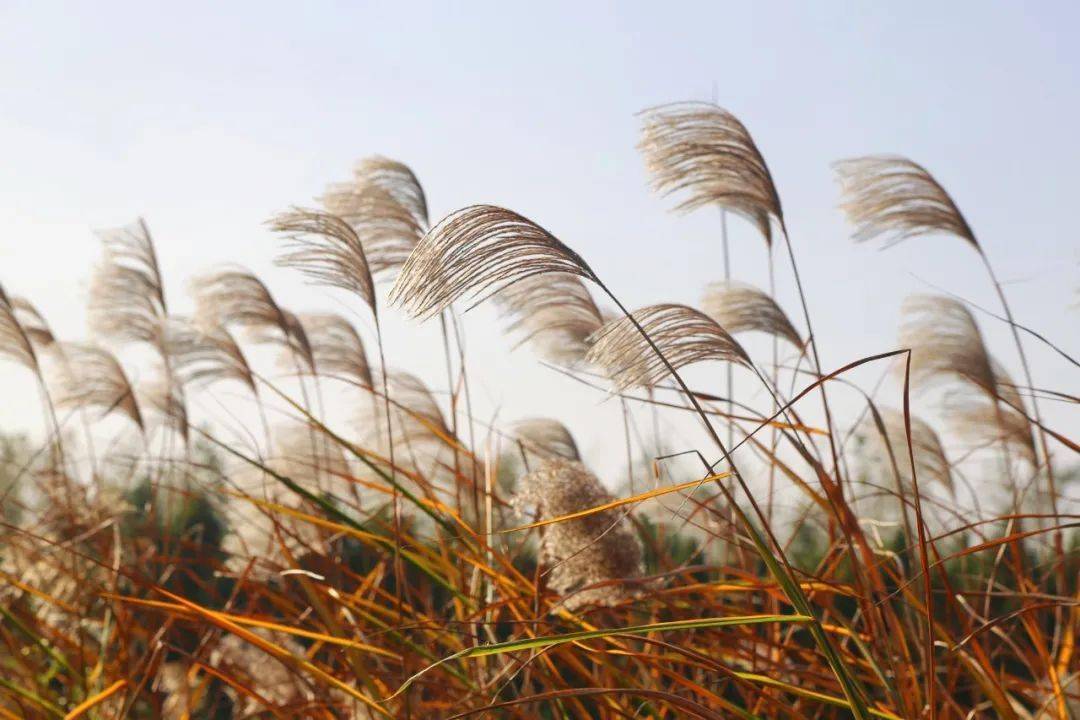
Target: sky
207,118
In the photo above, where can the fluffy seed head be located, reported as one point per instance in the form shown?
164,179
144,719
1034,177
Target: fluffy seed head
554,313
684,335
703,152
477,252
739,307
893,198
590,555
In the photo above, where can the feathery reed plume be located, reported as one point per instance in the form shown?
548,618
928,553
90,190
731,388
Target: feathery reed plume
15,342
589,555
1005,388
546,437
92,378
931,463
208,354
684,336
166,400
479,250
234,296
388,229
706,152
739,307
409,430
945,343
337,348
982,423
415,414
398,180
894,198
326,249
22,331
555,313
127,296
33,322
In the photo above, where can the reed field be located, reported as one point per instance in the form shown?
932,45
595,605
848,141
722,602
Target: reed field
350,541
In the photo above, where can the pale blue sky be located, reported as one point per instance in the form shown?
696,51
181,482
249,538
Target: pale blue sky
208,117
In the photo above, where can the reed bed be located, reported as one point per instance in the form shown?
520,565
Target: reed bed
418,561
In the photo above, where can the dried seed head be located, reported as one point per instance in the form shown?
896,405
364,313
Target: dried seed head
931,463
166,400
33,322
398,180
385,205
14,340
555,313
234,296
419,430
590,555
479,251
894,198
337,348
739,307
92,378
705,152
684,335
127,294
985,420
208,354
327,250
945,343
304,457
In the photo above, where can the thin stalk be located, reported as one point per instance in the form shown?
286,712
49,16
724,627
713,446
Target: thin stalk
398,570
1043,445
452,388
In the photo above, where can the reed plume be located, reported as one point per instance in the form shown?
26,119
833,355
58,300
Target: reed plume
546,438
208,354
946,345
33,323
554,313
416,416
234,296
589,558
326,249
982,421
893,198
166,400
300,458
705,153
337,348
127,294
386,207
682,334
15,342
397,179
739,307
479,251
945,342
887,447
92,378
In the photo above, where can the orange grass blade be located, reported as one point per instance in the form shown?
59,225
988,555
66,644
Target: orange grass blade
619,503
97,699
